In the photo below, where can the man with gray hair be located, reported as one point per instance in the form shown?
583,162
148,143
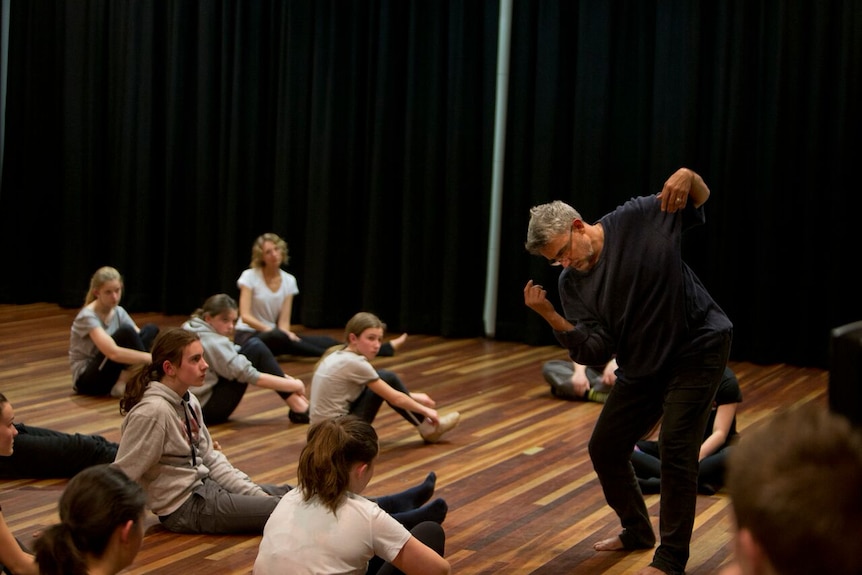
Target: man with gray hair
627,293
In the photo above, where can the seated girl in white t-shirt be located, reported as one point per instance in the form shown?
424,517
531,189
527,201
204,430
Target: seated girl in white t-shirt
326,526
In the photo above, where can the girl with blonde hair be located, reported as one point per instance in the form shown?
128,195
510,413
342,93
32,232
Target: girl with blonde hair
266,304
105,340
346,382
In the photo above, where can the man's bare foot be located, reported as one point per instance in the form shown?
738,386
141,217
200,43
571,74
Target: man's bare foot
611,544
650,571
396,343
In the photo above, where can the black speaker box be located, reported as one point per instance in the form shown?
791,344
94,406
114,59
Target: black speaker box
845,371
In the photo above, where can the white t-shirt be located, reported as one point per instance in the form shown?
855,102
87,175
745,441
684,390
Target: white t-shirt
337,382
305,538
265,303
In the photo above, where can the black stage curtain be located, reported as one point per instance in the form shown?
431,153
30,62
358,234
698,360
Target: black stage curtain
161,137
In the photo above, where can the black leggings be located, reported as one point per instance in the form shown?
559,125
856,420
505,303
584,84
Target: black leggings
279,343
43,452
102,373
368,403
428,532
710,474
227,393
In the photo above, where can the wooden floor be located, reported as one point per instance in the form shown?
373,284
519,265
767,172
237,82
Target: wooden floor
522,495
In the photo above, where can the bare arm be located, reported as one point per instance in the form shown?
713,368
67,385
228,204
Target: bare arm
12,556
609,376
286,383
580,381
536,298
284,317
106,344
416,558
245,297
720,429
402,400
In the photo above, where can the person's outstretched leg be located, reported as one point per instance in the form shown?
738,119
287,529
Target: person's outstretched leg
389,348
434,511
47,453
214,510
278,342
264,361
395,382
410,498
311,345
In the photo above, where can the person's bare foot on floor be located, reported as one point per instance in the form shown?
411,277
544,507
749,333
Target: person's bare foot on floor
650,571
396,343
611,544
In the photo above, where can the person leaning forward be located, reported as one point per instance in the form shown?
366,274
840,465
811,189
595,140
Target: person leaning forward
626,292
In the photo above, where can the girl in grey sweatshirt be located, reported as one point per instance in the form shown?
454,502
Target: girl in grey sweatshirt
233,367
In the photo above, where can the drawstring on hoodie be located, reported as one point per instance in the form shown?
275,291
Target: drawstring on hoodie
186,408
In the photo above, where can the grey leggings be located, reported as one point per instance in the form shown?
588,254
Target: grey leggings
213,509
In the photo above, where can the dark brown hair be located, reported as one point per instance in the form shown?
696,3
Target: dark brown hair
169,346
215,305
333,447
95,502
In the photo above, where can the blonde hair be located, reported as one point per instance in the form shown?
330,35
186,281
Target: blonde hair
257,249
102,276
360,322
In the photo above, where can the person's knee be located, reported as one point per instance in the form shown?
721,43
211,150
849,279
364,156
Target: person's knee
391,378
431,534
608,455
598,453
256,350
126,336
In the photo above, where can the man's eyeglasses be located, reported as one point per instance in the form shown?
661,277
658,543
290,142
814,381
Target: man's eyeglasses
564,251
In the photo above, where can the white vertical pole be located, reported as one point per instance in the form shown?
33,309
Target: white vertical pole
4,66
502,95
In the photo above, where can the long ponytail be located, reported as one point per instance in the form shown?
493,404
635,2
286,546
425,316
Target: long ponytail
95,502
332,448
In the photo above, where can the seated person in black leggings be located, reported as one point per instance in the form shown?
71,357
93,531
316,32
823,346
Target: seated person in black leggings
718,439
351,534
266,304
232,367
105,340
45,453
